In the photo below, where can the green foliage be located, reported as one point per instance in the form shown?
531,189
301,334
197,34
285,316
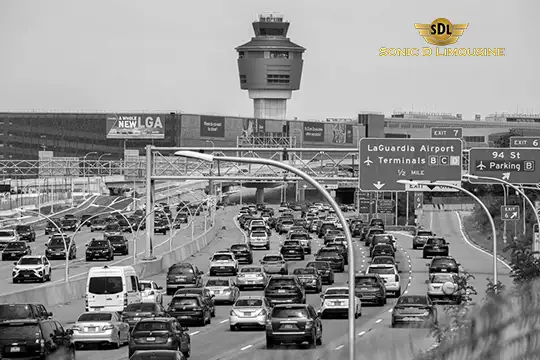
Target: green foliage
504,140
525,265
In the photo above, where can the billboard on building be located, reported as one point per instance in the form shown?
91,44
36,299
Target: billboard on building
314,131
342,134
135,126
212,126
253,126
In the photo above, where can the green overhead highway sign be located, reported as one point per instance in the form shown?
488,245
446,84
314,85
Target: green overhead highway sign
510,212
385,161
517,166
446,133
525,142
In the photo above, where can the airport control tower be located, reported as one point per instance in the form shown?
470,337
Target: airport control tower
270,66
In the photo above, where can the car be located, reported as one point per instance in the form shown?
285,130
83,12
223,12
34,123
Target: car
206,295
23,311
376,222
69,224
335,302
99,249
370,288
333,256
251,277
304,238
98,225
100,327
356,229
314,225
182,218
382,239
383,259
249,311
126,226
119,243
27,339
294,323
134,312
435,246
284,206
161,226
274,264
15,250
190,308
7,236
285,289
420,238
32,268
441,264
342,250
383,249
26,233
325,271
253,209
224,290
223,263
331,235
52,226
55,248
151,292
112,229
85,220
325,227
310,279
259,239
158,354
183,275
174,336
414,309
390,276
292,250
285,225
444,288
242,252
371,232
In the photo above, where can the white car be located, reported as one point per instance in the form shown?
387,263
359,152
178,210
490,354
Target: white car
390,275
7,235
335,302
249,311
32,268
223,263
259,239
151,292
443,287
256,222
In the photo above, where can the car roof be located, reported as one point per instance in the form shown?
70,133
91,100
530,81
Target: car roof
157,319
383,257
33,256
272,254
443,258
284,277
290,306
223,252
186,295
251,297
337,288
381,265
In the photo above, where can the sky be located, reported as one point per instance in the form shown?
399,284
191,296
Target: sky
177,55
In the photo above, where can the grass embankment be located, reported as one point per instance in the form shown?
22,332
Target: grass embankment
483,236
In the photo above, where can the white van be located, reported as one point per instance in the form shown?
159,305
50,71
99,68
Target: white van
112,288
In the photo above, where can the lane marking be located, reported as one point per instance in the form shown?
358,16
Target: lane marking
246,347
389,310
378,321
340,347
194,333
224,321
362,333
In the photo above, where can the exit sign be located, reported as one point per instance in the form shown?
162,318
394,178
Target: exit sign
447,133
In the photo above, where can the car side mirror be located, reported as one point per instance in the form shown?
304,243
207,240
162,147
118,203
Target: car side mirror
185,329
49,314
322,296
458,264
427,265
201,272
447,243
69,332
85,244
427,281
160,287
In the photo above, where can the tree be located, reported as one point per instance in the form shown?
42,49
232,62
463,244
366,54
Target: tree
504,140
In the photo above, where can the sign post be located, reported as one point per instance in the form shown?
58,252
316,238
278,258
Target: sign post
510,212
383,162
447,133
517,166
525,142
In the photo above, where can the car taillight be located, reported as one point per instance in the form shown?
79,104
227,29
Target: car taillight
268,323
125,300
75,328
309,324
107,327
397,278
241,275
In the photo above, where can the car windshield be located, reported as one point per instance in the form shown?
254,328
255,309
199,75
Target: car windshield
281,283
328,253
248,303
98,222
15,311
290,313
155,355
145,285
112,227
152,326
217,282
318,265
30,261
140,307
443,262
7,233
382,247
436,241
58,241
251,270
287,222
184,301
222,257
98,243
297,236
412,300
305,271
381,270
336,292
424,233
258,234
95,316
68,222
16,245
181,269
272,258
382,260
19,331
239,247
115,239
442,278
367,280
105,285
333,232
23,228
291,243
376,232
382,238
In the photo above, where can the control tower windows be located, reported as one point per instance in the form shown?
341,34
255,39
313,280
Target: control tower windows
243,79
278,79
279,55
272,32
240,54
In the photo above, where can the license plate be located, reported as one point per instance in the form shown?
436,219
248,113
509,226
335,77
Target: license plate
337,303
26,275
288,326
216,291
281,291
184,317
151,339
15,349
91,329
291,251
137,319
247,314
363,289
443,270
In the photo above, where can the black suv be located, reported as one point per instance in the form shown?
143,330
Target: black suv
36,339
190,308
370,288
160,333
119,244
441,264
324,269
333,256
435,246
26,233
183,275
285,289
243,253
295,323
135,311
56,249
23,311
69,224
292,249
15,250
99,249
383,249
376,222
52,227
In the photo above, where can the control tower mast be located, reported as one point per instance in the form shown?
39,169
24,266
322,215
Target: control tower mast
270,66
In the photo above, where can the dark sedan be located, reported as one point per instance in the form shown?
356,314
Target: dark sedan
435,246
16,250
69,225
119,244
190,308
333,256
135,312
324,269
414,310
243,253
292,249
310,279
99,249
160,334
26,233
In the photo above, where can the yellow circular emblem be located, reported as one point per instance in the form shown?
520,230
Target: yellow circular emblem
441,29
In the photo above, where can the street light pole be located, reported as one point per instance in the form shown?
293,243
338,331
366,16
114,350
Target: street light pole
84,171
492,223
99,162
329,199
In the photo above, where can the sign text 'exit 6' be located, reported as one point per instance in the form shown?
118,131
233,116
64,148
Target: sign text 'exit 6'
517,166
510,212
385,161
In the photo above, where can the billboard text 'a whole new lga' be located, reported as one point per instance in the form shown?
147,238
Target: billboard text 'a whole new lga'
142,126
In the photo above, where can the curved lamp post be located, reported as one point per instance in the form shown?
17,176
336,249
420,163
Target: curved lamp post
99,162
84,170
143,220
66,271
191,219
492,223
327,196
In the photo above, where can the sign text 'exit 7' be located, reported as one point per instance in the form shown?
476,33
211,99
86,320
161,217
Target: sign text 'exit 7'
385,161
